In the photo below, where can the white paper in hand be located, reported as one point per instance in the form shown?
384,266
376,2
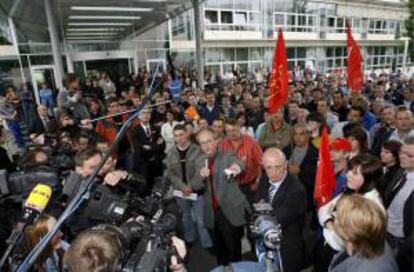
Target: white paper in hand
178,193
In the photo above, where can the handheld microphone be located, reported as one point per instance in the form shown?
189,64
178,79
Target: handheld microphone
34,206
36,203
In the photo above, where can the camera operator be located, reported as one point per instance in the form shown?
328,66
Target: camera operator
117,182
71,98
101,250
287,196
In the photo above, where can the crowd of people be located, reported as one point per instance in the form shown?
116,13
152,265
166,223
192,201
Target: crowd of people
221,150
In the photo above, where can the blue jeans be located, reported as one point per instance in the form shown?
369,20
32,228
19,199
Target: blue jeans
193,219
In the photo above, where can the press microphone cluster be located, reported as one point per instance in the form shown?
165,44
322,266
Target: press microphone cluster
34,206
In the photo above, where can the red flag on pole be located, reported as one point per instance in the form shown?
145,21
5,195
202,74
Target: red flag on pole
279,78
355,77
325,175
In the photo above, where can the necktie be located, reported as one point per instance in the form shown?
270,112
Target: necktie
147,131
272,191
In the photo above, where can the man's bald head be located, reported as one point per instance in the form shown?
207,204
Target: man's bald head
274,153
42,110
275,164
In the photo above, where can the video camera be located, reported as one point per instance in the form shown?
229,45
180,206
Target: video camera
106,205
264,226
147,240
17,185
267,232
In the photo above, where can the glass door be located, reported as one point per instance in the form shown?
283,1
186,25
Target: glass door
43,74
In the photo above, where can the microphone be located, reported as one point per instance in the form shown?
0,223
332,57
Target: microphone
35,204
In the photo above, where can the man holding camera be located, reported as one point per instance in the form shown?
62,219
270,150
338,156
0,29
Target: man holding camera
287,196
117,182
226,205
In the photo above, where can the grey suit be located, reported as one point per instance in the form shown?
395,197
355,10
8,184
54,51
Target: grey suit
356,263
193,165
231,200
227,220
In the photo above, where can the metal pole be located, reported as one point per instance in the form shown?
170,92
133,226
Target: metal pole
199,53
405,54
16,45
69,62
54,40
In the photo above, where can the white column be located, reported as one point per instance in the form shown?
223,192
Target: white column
54,40
16,45
405,54
199,53
69,62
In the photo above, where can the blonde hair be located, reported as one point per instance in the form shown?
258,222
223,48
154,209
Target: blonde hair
361,222
94,251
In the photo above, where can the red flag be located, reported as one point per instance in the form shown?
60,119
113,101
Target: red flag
279,78
325,175
355,77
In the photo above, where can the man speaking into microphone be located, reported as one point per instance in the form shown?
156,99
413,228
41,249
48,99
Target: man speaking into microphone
225,205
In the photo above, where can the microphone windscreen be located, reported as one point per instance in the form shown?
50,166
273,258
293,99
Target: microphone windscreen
39,197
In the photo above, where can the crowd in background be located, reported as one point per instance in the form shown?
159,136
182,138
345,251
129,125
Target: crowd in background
189,135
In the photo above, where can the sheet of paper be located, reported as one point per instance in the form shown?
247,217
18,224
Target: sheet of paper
179,194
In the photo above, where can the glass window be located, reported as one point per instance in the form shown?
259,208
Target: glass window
211,17
331,21
371,26
301,20
391,27
227,54
255,18
291,53
356,23
240,18
242,54
311,20
279,19
329,52
378,25
212,55
255,54
291,20
338,51
301,52
340,24
226,17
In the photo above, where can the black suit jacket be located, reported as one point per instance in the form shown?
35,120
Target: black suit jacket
147,149
307,172
289,208
37,126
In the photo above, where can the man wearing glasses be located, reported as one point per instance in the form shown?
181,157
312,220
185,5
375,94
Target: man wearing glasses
225,204
287,196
